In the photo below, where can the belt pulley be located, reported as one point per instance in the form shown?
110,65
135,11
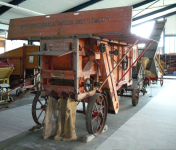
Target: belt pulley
125,63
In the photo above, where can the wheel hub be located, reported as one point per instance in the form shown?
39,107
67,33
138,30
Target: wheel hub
43,107
97,114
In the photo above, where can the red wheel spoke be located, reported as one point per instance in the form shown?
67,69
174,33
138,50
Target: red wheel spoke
38,109
98,124
96,106
40,102
43,120
94,109
40,115
94,118
102,107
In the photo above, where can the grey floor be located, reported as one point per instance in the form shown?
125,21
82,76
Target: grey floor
149,125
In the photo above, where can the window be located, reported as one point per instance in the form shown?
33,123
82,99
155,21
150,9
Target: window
31,59
170,44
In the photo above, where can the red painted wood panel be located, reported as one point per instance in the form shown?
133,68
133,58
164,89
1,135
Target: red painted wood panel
84,22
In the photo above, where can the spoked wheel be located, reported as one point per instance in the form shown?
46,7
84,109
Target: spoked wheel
161,80
38,109
135,97
96,114
19,92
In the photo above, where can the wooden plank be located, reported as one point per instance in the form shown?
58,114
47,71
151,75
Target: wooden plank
59,44
105,69
115,99
116,20
18,67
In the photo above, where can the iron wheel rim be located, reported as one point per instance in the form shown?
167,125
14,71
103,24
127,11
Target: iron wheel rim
97,114
38,108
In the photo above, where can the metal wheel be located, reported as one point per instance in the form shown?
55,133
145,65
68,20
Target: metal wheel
161,80
96,114
19,92
135,97
38,109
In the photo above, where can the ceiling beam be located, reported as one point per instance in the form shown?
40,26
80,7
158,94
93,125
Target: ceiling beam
3,9
163,16
4,23
154,12
142,3
81,6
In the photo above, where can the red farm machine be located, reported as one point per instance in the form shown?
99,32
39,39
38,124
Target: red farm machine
87,56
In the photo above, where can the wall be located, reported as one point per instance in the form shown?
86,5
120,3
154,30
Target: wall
170,27
170,35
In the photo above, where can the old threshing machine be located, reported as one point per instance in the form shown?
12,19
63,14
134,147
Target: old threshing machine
85,55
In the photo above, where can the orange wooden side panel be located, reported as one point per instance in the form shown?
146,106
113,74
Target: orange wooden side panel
116,20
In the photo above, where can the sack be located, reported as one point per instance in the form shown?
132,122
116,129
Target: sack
149,74
50,118
144,61
66,122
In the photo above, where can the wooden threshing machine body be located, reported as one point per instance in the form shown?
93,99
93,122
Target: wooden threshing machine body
83,54
70,64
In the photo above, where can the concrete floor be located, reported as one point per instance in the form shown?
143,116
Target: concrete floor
149,125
